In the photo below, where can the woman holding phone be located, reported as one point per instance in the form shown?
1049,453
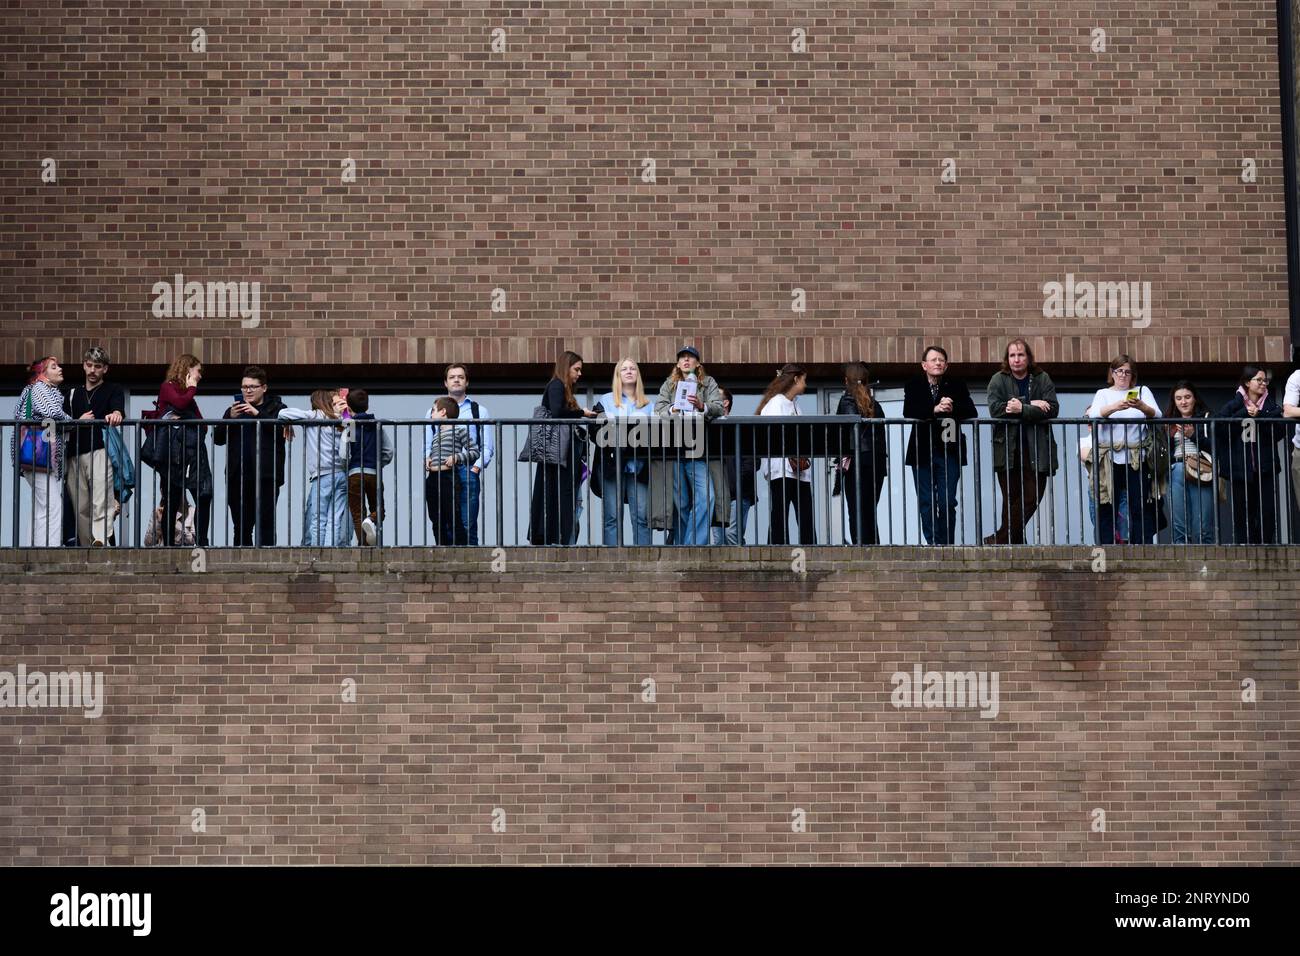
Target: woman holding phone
186,468
1121,455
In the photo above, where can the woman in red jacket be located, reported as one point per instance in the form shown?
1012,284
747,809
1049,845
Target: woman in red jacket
186,468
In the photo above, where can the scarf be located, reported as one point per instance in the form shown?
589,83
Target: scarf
1245,397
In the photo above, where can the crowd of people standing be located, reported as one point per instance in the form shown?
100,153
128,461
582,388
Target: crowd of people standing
1140,478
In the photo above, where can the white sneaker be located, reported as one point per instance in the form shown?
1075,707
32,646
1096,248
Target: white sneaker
368,533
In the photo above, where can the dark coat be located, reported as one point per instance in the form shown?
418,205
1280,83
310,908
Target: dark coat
1030,439
244,443
1239,460
180,452
926,438
873,443
553,399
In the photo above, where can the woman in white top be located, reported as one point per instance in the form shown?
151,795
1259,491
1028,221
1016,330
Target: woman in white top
789,478
1123,448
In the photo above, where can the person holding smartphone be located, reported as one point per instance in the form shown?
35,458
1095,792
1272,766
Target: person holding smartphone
254,458
1121,455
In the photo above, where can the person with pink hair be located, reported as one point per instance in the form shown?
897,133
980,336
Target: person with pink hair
42,401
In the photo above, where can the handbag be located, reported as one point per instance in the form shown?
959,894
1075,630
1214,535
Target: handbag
183,527
547,441
152,452
33,449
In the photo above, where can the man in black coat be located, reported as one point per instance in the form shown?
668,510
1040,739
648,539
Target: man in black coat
936,449
254,459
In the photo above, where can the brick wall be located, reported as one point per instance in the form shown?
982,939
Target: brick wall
521,688
522,170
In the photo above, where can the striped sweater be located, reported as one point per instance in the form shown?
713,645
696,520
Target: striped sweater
47,402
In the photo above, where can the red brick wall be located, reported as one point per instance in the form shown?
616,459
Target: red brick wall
520,170
521,689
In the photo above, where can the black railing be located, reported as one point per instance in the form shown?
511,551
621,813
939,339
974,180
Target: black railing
826,480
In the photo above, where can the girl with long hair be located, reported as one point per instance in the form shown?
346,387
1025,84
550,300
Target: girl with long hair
326,520
862,477
626,399
184,467
693,497
789,478
555,487
1193,505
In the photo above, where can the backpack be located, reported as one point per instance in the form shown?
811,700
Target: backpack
478,438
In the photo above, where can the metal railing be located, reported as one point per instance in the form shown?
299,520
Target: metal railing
826,480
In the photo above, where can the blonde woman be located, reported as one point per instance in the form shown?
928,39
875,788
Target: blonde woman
326,521
625,399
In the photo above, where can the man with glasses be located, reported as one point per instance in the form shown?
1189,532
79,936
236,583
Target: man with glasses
254,458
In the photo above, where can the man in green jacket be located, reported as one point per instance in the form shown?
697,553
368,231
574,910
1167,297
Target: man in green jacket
1024,449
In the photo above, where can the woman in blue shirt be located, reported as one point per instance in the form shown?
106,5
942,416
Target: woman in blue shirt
626,400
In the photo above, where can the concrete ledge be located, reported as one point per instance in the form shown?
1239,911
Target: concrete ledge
1201,560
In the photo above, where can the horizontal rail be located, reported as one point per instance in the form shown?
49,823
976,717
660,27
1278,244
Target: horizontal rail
647,480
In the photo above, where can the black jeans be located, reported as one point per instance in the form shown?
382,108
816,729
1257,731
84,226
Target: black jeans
555,498
784,493
247,511
861,490
444,508
1254,509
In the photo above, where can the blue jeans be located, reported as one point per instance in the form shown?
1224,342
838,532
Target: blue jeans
734,532
637,495
1121,518
326,522
1193,506
936,498
467,492
694,501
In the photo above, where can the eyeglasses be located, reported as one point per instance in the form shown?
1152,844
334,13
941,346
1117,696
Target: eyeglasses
250,388
1121,371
